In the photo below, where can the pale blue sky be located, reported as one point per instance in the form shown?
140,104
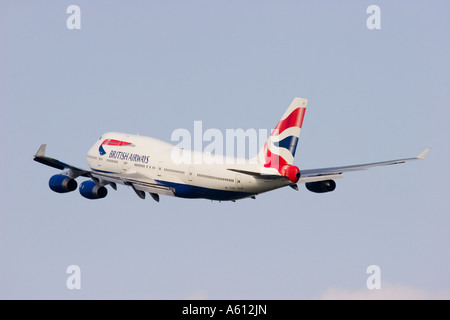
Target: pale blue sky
150,67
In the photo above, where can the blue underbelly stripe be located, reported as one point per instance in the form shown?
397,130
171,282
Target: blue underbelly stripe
102,171
192,192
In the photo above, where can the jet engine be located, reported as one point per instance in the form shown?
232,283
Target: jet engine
62,184
90,190
321,186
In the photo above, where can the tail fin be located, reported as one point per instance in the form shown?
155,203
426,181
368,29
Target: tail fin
279,149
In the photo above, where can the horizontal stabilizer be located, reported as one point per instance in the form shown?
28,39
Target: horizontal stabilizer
259,174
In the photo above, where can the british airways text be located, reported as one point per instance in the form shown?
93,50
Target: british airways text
128,156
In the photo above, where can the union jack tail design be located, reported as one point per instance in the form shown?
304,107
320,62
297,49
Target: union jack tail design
279,149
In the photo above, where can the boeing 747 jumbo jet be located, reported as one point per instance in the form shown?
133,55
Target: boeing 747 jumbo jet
159,168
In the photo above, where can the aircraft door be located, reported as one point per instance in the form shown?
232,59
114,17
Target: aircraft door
237,180
191,173
160,164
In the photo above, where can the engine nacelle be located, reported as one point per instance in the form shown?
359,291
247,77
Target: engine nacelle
90,190
321,186
290,172
62,184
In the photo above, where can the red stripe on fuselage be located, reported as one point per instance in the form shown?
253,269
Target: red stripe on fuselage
112,142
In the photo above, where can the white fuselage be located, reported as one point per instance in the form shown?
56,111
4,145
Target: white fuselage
190,174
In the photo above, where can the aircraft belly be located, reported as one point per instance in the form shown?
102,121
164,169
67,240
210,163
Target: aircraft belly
192,192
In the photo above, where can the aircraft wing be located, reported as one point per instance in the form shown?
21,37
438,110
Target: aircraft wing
138,182
322,174
41,158
311,175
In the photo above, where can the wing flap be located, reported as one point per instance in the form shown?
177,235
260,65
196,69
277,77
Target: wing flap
136,181
158,189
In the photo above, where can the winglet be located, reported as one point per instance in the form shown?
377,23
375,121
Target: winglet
41,151
423,154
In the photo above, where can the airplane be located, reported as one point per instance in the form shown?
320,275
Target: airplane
148,165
